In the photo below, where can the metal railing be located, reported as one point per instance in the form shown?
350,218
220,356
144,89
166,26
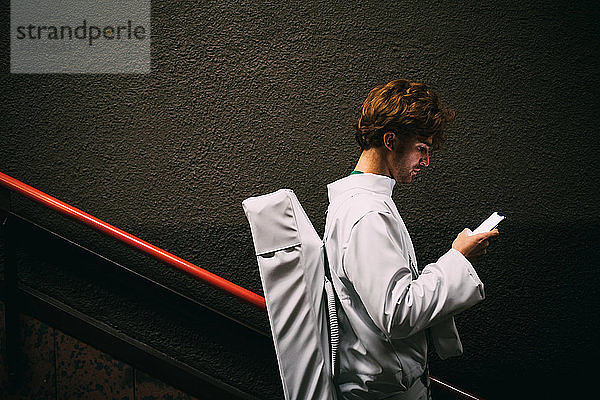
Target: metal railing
162,255
133,241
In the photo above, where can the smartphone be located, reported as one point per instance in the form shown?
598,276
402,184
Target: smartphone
489,224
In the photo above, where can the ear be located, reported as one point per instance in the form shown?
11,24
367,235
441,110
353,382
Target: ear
388,140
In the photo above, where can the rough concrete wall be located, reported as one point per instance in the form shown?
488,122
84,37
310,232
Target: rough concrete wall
245,98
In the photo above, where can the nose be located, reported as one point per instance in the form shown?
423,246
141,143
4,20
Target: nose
425,160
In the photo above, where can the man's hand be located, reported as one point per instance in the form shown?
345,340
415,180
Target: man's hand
473,246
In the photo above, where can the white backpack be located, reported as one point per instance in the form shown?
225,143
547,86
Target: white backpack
300,299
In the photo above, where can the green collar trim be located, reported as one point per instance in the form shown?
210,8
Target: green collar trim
355,172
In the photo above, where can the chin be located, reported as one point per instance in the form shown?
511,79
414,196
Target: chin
403,178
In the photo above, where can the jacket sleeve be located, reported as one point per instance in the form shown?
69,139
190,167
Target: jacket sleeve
399,305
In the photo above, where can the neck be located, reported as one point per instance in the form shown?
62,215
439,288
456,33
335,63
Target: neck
373,161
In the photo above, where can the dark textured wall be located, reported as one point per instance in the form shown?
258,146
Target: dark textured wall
245,98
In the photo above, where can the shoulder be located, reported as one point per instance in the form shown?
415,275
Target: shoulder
360,206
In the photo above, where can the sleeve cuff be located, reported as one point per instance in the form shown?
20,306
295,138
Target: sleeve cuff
469,267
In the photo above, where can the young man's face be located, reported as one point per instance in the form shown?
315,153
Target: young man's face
410,158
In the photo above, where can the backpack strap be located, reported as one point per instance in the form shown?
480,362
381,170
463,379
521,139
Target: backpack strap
334,335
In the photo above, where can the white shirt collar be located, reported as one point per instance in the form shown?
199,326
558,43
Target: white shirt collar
375,183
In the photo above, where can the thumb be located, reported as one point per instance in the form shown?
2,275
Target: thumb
494,232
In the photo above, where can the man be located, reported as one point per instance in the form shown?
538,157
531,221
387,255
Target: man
386,306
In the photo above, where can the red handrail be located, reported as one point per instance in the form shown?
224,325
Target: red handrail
127,238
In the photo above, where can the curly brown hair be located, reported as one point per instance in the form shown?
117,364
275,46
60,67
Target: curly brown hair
405,108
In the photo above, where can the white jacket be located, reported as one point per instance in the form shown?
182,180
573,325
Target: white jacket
386,305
